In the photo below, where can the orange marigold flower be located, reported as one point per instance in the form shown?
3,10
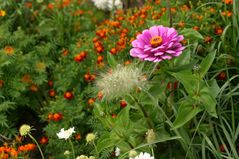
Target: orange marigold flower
197,28
1,83
65,52
78,12
27,147
157,1
185,8
34,88
66,3
227,13
212,10
9,50
208,39
28,4
13,152
43,140
181,24
26,78
228,1
2,13
218,30
50,6
78,136
91,101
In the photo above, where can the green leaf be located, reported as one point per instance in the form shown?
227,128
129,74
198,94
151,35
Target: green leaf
187,79
158,91
185,113
111,60
151,23
166,138
183,59
191,34
104,142
123,120
164,20
214,88
208,101
206,63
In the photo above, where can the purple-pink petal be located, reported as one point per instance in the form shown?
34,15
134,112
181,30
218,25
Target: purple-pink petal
169,47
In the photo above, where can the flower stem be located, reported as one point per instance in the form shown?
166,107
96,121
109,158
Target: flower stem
97,152
72,147
110,125
152,150
39,148
170,13
183,142
154,68
113,10
146,116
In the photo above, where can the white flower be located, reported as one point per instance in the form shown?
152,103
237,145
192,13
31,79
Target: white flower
108,4
117,4
65,134
100,4
143,156
67,152
40,1
82,157
117,151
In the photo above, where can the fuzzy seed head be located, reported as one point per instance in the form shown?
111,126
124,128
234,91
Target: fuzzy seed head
67,152
132,153
150,136
25,130
119,82
90,137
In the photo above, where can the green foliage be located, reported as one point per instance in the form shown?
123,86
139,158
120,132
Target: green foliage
52,52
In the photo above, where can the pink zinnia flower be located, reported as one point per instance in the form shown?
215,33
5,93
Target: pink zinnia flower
157,43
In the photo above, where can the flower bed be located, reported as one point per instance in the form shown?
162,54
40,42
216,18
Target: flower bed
157,80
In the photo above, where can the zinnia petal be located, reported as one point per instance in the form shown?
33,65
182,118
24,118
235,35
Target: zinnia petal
157,43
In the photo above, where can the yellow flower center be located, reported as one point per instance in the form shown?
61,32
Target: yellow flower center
156,41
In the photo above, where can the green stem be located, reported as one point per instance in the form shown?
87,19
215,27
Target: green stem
113,10
194,134
97,152
170,13
110,126
152,150
72,147
182,141
155,66
145,114
39,148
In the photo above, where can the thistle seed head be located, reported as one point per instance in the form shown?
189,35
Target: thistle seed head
119,81
25,130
